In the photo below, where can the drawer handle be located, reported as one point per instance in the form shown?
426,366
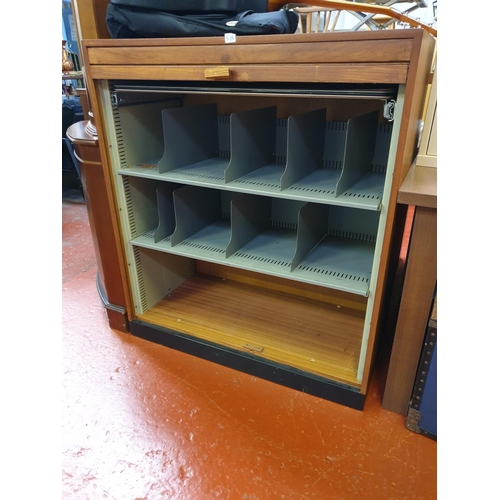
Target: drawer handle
217,73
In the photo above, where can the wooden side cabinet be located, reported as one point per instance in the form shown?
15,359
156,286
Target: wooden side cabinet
109,278
419,189
254,187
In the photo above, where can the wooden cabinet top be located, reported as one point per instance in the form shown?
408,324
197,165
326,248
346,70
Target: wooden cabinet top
419,187
345,57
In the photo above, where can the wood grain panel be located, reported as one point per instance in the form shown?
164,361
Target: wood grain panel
419,187
100,220
315,73
416,302
415,92
305,53
327,295
343,36
297,332
90,18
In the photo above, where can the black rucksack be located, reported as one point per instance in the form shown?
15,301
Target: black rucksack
171,18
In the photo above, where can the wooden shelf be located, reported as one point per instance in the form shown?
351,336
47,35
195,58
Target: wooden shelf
310,336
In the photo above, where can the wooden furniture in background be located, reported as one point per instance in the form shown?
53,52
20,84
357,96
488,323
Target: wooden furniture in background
316,335
422,409
109,282
419,189
84,101
324,20
90,18
370,10
427,153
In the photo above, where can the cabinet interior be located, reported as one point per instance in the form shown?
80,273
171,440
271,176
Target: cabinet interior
251,221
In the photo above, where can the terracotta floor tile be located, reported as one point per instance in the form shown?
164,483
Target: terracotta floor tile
77,247
143,422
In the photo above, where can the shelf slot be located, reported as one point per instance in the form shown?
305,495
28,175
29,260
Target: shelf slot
192,142
156,275
248,220
202,220
359,149
370,188
322,181
253,146
150,211
343,255
312,229
139,136
142,204
263,233
305,145
166,215
348,156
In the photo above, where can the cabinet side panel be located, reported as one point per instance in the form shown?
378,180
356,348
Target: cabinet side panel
132,131
154,275
414,92
398,113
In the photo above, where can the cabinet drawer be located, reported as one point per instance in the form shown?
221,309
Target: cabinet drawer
334,73
305,58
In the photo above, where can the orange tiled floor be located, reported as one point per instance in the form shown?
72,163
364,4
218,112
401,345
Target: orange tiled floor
141,421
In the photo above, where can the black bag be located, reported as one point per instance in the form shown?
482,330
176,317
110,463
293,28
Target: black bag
129,21
182,7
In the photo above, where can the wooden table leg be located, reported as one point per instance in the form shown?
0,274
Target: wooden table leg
415,307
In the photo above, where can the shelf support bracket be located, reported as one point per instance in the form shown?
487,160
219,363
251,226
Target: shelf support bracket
389,109
114,99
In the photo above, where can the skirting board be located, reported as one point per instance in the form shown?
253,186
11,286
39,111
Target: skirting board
252,365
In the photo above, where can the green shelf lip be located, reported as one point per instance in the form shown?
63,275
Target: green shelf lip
369,202
146,241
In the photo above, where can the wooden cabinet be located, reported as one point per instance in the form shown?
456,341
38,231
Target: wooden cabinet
427,154
419,190
109,280
254,186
